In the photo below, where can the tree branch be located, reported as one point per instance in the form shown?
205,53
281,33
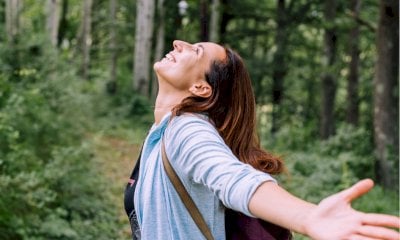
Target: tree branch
361,21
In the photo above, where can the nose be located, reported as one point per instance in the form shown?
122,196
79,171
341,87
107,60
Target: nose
180,45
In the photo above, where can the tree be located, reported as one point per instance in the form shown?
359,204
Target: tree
215,21
63,26
327,127
386,115
53,20
160,43
143,43
279,65
352,80
12,19
112,84
85,37
2,13
12,30
226,17
204,31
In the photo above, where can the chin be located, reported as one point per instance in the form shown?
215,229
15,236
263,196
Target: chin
156,65
160,65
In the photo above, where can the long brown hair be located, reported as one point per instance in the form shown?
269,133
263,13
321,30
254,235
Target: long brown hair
232,109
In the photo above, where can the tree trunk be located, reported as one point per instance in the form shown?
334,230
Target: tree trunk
3,15
327,127
160,43
63,26
53,20
215,21
86,37
173,20
386,115
112,84
12,20
226,16
143,42
12,31
204,34
352,80
279,65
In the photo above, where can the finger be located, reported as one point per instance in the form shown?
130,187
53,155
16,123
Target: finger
357,190
376,219
379,232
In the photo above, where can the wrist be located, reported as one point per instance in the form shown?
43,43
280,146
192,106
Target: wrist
305,221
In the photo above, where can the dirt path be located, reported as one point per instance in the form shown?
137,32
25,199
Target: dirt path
116,158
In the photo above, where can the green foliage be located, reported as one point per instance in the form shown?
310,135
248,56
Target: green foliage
379,200
49,185
357,142
317,169
313,176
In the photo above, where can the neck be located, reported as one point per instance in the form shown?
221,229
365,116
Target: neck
165,103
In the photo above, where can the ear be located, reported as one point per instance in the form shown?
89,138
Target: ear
201,89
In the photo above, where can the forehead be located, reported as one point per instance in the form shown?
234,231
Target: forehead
212,51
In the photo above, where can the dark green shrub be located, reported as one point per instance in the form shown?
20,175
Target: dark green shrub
50,187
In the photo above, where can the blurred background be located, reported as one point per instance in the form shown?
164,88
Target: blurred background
77,92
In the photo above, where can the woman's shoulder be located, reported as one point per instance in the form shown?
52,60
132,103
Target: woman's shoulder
187,123
191,118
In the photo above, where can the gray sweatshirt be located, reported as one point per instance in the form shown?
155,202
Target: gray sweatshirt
210,172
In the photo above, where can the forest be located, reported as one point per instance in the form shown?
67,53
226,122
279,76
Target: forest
77,94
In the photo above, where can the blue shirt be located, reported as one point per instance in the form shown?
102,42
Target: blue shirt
210,172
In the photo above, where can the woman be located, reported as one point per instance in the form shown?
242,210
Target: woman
205,115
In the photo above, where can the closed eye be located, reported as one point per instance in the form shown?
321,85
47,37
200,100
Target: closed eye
198,47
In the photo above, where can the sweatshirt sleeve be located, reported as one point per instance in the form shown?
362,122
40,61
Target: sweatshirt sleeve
199,154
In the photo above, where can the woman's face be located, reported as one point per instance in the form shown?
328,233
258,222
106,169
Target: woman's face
188,63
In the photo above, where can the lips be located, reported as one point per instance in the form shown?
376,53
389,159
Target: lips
169,57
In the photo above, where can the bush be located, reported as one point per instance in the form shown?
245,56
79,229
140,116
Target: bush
49,184
317,169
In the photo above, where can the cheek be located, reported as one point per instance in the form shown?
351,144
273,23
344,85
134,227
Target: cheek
184,73
178,79
181,74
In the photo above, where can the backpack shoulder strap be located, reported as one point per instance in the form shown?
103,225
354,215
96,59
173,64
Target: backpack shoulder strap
184,195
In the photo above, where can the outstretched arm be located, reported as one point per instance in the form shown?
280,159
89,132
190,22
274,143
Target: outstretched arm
332,218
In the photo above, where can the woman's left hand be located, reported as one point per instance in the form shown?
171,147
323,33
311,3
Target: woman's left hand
334,218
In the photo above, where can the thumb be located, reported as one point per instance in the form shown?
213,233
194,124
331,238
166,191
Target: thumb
357,190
